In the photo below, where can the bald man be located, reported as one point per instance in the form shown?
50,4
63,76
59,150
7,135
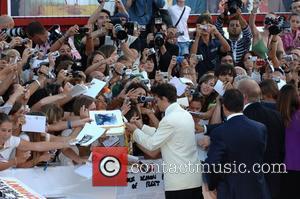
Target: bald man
255,110
6,22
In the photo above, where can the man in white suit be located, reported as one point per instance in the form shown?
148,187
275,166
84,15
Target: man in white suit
175,138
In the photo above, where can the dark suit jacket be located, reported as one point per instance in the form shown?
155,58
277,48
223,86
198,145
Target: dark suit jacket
275,144
269,105
240,141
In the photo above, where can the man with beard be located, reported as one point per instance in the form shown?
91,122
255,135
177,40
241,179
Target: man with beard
239,33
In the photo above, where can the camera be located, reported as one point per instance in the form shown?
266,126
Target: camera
55,33
142,27
100,1
179,59
74,74
151,51
288,58
120,32
77,65
34,52
199,58
276,79
145,81
159,39
192,91
203,27
6,46
83,30
234,5
24,41
15,32
252,58
145,99
55,54
122,72
131,26
165,75
127,72
158,21
116,20
37,63
277,25
179,34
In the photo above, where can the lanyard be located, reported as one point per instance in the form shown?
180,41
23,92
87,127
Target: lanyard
234,47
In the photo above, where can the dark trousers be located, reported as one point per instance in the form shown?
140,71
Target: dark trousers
195,193
291,185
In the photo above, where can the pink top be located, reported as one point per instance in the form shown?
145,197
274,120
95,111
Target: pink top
291,40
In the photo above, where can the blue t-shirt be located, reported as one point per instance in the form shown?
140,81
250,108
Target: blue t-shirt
142,10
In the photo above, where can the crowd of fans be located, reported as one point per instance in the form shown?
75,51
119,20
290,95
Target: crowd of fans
133,52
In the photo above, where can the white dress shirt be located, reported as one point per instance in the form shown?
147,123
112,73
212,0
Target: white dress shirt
234,115
175,137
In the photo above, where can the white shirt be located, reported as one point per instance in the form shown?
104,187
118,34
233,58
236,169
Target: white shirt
9,146
175,137
175,13
234,115
247,105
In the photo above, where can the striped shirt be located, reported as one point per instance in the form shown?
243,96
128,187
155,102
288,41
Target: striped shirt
239,47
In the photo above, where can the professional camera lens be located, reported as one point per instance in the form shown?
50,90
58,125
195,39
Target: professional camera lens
131,26
16,32
278,25
120,32
55,33
159,39
234,5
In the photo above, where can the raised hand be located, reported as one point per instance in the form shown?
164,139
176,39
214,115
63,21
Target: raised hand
72,31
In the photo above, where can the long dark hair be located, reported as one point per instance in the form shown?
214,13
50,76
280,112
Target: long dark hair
288,102
93,55
207,100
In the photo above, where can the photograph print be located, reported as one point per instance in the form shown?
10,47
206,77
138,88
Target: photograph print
106,119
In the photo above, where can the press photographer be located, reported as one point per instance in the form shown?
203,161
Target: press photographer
164,40
103,23
240,35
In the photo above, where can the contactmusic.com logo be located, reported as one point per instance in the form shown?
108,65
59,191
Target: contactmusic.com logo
110,166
